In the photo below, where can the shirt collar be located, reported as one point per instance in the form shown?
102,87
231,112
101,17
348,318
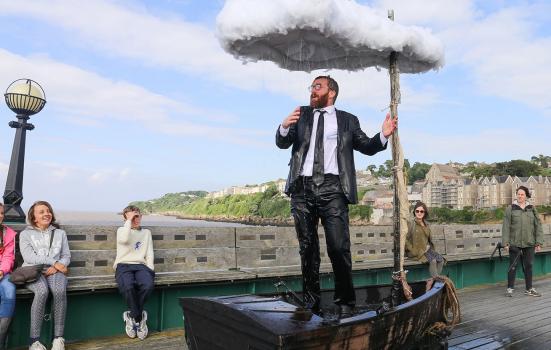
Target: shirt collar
328,109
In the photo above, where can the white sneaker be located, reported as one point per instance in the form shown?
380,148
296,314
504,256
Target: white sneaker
129,324
509,292
58,344
532,292
142,327
37,346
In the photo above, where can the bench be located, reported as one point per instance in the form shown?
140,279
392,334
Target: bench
184,254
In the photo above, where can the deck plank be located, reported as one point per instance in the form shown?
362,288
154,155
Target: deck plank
490,320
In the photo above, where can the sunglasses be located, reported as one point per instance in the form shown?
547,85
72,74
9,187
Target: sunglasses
419,211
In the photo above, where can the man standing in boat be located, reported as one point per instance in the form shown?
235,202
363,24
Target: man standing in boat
322,182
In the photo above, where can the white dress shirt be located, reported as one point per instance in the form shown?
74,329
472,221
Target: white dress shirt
330,136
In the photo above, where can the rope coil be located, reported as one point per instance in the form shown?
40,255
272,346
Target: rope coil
450,307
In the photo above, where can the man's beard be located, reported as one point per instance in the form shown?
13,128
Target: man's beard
321,102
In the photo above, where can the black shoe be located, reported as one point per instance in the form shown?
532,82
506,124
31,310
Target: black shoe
313,307
345,311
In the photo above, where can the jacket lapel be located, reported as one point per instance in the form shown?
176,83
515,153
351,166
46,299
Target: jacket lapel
308,124
340,130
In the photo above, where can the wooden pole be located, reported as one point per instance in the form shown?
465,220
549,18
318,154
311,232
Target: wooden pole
394,100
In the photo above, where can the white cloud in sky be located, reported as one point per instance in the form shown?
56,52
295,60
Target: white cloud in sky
60,172
124,174
55,172
4,168
71,187
508,59
503,143
185,47
503,50
429,12
505,55
99,99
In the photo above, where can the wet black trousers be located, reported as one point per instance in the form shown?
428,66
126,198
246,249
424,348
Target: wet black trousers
526,259
309,203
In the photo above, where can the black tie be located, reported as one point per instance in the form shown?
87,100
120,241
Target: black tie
318,171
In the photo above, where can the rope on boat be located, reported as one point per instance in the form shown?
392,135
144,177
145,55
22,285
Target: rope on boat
450,307
406,288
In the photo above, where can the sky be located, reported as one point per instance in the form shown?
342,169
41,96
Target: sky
143,101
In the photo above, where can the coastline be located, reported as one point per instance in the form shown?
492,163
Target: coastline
250,220
153,219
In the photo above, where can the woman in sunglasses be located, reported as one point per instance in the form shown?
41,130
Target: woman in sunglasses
419,244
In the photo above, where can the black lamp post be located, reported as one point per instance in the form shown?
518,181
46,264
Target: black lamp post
24,97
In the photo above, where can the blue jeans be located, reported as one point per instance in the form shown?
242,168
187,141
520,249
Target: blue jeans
136,283
7,297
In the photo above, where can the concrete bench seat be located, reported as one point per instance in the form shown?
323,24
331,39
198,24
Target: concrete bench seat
99,282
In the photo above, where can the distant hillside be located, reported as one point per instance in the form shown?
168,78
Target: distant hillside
170,202
268,207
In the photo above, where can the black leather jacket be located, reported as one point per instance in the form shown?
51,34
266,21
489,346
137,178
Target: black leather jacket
350,137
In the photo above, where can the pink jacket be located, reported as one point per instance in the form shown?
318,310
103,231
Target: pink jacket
7,256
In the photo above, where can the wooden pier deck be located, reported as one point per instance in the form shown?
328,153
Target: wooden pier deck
493,321
490,320
167,340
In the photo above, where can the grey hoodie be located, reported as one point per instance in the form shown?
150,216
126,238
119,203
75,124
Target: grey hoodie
34,243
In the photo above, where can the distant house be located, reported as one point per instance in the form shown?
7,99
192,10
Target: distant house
442,173
444,187
280,185
467,193
441,186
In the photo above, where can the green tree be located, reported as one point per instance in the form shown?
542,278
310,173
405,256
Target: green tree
518,167
385,169
480,170
541,160
418,172
359,211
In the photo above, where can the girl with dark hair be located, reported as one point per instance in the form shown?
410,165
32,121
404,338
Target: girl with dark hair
522,235
7,289
44,243
419,244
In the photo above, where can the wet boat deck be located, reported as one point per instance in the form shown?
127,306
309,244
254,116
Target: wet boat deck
490,321
493,321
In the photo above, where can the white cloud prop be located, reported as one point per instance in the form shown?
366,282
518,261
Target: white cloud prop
306,35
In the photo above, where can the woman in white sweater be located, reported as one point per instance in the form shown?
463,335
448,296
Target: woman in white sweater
44,243
134,270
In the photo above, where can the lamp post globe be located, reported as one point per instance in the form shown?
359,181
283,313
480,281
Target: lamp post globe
24,97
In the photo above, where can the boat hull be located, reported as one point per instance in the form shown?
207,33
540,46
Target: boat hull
273,322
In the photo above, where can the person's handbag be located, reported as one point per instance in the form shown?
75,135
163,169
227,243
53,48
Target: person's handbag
28,274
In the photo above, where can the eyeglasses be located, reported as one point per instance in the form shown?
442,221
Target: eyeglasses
419,211
315,87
